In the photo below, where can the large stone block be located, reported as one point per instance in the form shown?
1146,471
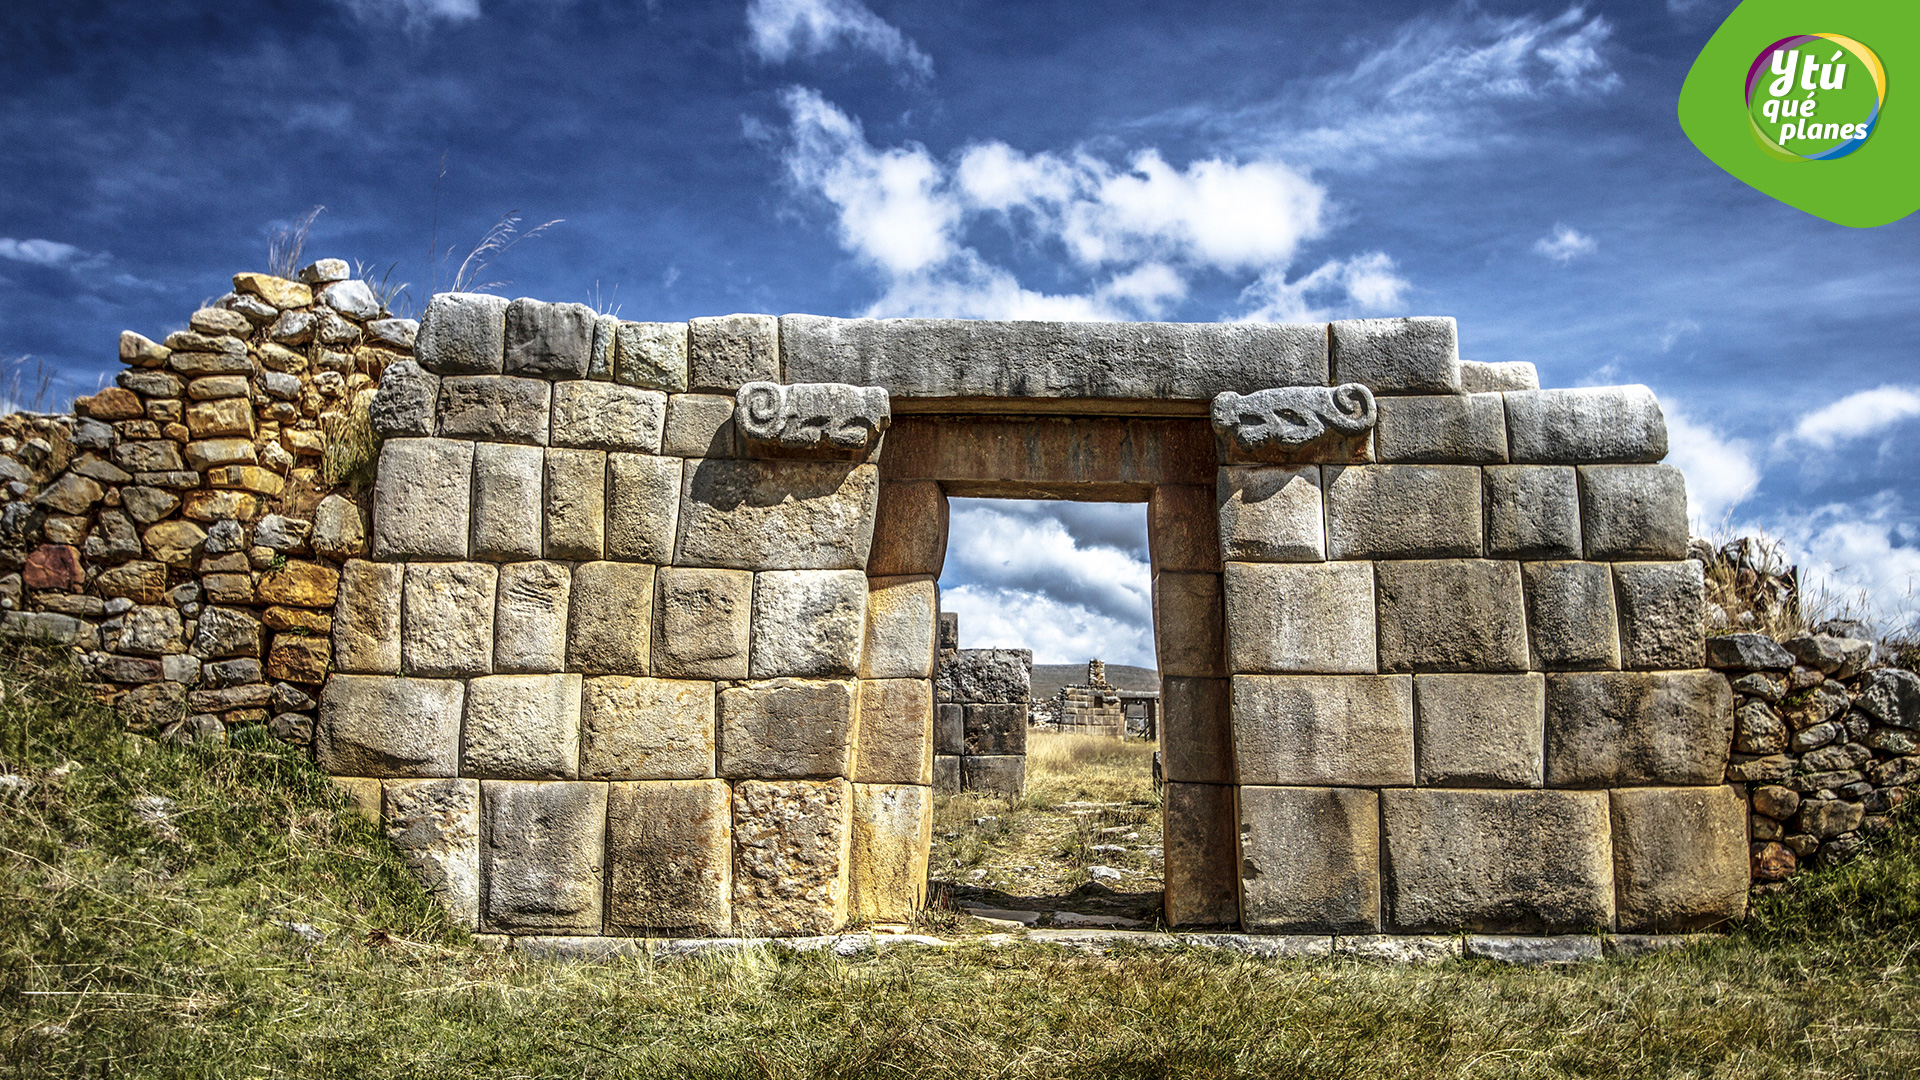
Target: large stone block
901,613
1309,860
1612,424
1533,512
495,408
643,506
420,499
956,358
436,826
1300,617
1451,615
1323,730
777,515
1662,614
406,402
703,622
1627,729
807,622
522,727
1202,863
1497,861
670,858
985,675
608,416
1480,730
1287,424
893,742
729,351
651,355
786,728
1270,513
380,725
1570,616
909,529
646,729
1443,429
892,833
1633,512
699,426
446,625
1403,512
790,854
551,341
1088,457
530,617
1196,730
949,729
462,334
543,855
610,618
1189,624
946,774
507,501
576,504
1183,529
1419,355
1481,377
366,618
1679,857
999,728
1004,775
825,420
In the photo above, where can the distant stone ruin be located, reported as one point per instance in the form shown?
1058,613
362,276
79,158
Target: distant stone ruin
980,726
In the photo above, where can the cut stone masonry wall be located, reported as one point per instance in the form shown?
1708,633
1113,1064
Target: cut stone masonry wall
980,734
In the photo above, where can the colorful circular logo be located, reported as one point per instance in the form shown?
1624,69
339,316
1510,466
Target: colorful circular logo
1814,97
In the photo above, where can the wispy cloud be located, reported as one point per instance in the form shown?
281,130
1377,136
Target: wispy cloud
778,30
1856,416
1565,244
413,14
43,252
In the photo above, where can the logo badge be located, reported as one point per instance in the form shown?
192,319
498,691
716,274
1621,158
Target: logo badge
1799,106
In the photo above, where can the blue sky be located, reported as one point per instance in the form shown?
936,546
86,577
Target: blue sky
1516,165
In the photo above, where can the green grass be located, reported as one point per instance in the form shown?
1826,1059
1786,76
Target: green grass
155,947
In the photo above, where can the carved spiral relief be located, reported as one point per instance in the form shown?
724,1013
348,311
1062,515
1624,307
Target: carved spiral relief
1292,417
812,416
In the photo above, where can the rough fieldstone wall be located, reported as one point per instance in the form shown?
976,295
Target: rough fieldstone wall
980,732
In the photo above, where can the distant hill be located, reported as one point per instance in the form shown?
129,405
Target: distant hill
1049,678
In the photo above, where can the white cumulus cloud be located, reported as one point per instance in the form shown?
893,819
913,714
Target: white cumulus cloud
1565,244
778,30
1720,470
1858,415
1860,560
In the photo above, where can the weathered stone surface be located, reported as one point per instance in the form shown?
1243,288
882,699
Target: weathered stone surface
151,630
278,532
352,297
1662,611
576,504
729,351
1480,377
148,456
1202,856
508,501
1270,514
551,341
1499,861
807,622
1679,857
299,659
420,499
900,634
148,504
1092,457
1533,951
607,416
892,828
811,419
394,333
114,539
946,774
1451,429
777,515
1300,617
893,740
985,675
1633,512
610,618
379,725
497,408
1323,729
1570,616
1451,615
406,401
1618,729
339,528
1824,819
1532,512
366,618
530,617
1757,729
670,857
1189,622
462,334
446,625
790,848
214,506
53,566
225,632
299,584
543,854
942,358
1294,423
141,582
1892,695
522,727
643,507
277,291
1309,859
786,728
651,355
646,729
699,426
1480,730
228,416
1420,355
998,728
1183,532
71,494
949,729
436,826
994,774
1403,512
909,529
1196,730
151,708
204,454
703,620
600,355
1612,424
